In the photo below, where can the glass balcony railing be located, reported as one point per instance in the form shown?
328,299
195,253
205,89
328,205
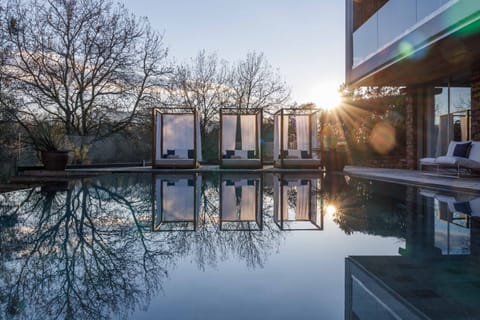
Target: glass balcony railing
393,19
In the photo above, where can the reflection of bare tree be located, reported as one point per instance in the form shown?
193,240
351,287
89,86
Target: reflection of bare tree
85,254
86,250
208,245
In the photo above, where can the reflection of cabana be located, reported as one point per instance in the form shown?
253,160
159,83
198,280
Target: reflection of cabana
177,202
240,138
241,202
295,202
295,138
176,139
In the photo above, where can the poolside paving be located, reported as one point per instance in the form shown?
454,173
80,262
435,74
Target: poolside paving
418,178
413,177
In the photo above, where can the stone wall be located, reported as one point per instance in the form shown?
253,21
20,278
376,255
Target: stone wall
411,127
475,104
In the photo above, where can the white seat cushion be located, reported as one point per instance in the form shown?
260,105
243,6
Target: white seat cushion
427,161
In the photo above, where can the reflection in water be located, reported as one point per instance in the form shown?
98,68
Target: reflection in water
241,202
296,205
453,216
82,252
437,274
93,249
177,202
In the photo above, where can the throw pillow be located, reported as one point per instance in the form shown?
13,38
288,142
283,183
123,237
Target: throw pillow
190,154
251,154
463,207
304,154
229,154
461,150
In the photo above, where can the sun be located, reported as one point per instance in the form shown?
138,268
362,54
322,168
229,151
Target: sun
326,96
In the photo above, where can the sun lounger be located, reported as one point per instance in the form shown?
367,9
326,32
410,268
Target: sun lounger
460,155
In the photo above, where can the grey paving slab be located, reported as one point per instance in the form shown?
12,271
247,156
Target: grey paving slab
415,177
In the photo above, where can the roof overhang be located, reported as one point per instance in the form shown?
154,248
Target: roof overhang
448,53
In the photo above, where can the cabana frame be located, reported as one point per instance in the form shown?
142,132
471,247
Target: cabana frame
303,221
188,188
254,220
301,156
160,155
238,157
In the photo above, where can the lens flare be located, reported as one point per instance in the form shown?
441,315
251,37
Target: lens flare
382,138
330,210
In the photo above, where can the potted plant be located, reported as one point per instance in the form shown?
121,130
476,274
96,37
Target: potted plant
49,141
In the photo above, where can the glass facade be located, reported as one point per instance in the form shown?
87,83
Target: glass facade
450,119
391,21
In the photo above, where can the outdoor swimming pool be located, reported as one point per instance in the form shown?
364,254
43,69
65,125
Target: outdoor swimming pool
245,246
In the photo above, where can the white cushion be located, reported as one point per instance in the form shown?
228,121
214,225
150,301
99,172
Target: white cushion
427,161
458,161
474,153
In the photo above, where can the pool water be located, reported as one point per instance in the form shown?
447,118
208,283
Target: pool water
238,246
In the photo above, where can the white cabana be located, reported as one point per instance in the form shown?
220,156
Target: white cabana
240,203
295,142
177,202
176,139
295,203
240,149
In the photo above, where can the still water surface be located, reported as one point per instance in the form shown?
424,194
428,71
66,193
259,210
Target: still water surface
211,246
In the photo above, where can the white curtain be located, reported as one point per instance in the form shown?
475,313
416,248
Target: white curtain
248,203
464,127
259,130
303,137
285,132
158,136
248,127
229,132
314,134
302,209
178,132
229,203
445,133
276,137
199,139
178,201
280,131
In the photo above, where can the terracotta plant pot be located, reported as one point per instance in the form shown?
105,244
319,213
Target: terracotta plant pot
55,160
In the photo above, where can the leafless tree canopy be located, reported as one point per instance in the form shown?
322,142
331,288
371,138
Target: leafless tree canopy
256,85
207,83
87,64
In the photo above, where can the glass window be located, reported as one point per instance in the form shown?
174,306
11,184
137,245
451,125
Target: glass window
426,7
394,18
365,40
452,120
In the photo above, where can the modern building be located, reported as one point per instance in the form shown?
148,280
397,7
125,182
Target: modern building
431,48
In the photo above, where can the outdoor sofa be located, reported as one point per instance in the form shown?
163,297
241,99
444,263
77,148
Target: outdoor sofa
461,155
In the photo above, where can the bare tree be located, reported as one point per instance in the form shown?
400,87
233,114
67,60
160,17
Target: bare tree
200,85
255,84
87,64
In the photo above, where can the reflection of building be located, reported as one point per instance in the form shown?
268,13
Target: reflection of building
241,202
395,287
453,214
177,202
432,49
297,205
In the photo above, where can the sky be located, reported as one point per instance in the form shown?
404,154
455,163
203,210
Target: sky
302,39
